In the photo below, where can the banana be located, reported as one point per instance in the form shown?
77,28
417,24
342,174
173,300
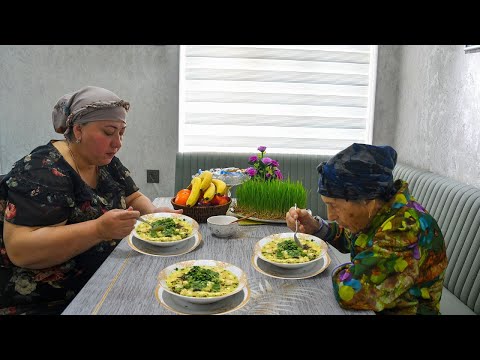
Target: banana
210,192
221,186
206,177
195,194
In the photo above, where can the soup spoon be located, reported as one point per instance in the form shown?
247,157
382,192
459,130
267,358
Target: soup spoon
299,244
156,228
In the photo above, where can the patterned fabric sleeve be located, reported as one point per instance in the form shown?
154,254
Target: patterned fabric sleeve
334,234
122,175
386,267
40,193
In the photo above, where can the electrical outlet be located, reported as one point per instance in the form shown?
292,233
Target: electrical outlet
153,176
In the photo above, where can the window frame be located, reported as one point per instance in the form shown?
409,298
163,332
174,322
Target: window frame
369,118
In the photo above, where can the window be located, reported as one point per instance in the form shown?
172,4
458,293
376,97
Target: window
312,99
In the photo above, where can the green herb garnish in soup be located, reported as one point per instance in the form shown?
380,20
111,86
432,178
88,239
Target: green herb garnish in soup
202,281
287,251
169,229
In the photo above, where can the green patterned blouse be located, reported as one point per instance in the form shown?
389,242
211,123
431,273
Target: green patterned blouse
398,262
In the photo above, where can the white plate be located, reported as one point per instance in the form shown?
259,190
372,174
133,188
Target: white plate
181,306
232,212
260,244
163,275
291,274
175,250
150,217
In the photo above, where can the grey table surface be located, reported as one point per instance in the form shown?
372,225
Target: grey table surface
126,283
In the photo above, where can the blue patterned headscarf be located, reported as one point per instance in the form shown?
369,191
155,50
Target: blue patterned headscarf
360,172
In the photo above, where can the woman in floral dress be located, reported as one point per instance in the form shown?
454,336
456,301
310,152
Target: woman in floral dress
398,255
66,205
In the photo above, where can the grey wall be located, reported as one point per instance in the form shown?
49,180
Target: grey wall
426,104
386,94
438,124
32,78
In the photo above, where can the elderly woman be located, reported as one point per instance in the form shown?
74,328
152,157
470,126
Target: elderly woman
398,257
64,206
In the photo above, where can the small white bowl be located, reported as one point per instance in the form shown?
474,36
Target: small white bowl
260,244
221,225
239,273
152,217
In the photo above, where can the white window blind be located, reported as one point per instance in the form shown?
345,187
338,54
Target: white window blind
312,99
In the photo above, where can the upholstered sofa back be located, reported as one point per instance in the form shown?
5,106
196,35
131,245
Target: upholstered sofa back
456,207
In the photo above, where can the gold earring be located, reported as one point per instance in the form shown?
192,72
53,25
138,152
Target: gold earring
78,141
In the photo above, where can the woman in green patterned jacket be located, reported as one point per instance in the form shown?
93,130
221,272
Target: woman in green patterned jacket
398,255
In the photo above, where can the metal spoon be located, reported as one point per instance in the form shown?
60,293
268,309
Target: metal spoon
295,233
156,228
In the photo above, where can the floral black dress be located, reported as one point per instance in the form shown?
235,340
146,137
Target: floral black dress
43,189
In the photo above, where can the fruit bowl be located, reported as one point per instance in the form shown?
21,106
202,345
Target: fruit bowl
202,213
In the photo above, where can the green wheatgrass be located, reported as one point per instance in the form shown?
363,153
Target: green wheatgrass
270,199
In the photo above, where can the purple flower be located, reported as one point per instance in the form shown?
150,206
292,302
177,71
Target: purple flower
251,171
262,167
344,275
267,160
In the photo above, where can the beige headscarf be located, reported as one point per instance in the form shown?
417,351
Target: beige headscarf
90,103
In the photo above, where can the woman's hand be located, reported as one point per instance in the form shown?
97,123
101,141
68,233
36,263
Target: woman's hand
167,209
143,204
306,222
117,223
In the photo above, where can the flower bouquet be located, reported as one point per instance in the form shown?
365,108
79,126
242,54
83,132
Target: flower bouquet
267,193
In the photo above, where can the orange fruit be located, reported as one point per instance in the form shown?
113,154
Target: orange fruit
182,196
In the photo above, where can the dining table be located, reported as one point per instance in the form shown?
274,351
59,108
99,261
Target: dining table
127,282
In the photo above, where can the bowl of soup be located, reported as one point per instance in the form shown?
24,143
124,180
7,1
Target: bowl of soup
165,229
281,250
202,281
